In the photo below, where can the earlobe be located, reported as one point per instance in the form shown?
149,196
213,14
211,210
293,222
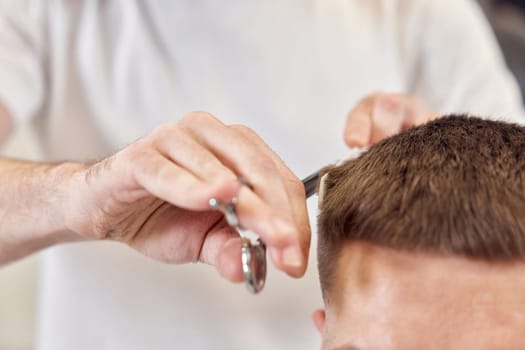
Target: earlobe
319,317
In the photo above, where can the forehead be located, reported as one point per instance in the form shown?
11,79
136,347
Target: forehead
386,299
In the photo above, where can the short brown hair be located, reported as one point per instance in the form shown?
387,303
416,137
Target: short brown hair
454,186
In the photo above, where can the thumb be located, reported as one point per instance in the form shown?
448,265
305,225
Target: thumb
222,248
229,260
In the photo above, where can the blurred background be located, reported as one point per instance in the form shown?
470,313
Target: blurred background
18,281
508,21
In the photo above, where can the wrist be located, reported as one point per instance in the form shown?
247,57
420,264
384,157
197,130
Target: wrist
57,183
71,194
33,207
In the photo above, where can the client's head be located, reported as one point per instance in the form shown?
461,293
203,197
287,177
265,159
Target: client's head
422,241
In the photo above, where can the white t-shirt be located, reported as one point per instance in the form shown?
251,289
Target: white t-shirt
94,75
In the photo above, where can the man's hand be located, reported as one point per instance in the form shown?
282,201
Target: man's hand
153,195
381,115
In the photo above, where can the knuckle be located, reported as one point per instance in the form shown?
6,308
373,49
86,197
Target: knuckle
371,98
266,164
142,165
244,130
263,170
389,105
219,175
161,171
374,96
165,130
161,174
364,105
197,118
206,165
211,170
135,152
384,98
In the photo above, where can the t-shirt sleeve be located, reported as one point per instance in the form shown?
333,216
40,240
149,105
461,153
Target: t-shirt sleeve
21,58
458,66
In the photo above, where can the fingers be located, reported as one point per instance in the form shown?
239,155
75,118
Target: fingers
180,147
200,158
228,262
245,158
289,257
295,258
389,112
222,248
269,210
381,115
176,185
174,235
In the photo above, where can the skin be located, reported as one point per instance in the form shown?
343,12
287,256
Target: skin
387,299
381,115
153,194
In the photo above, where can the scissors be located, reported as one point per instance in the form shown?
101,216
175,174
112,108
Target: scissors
253,250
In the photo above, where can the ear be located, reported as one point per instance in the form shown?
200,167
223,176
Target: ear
319,318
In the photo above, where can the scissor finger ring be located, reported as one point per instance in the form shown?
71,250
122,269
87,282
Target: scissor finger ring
253,255
253,264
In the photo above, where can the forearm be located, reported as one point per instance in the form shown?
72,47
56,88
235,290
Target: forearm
33,203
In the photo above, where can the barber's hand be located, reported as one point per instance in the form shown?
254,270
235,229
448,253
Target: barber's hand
153,195
381,115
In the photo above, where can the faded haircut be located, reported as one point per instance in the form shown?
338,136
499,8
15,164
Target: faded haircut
454,186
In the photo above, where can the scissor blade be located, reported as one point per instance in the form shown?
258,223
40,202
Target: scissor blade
310,183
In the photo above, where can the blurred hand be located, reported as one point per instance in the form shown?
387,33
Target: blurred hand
153,196
381,115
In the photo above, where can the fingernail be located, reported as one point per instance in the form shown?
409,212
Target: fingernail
292,257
